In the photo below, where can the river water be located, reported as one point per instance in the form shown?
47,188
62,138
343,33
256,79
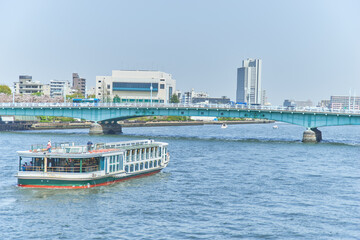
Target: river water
246,181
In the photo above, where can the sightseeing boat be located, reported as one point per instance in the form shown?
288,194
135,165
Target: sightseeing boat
68,166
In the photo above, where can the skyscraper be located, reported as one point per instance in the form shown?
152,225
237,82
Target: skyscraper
249,82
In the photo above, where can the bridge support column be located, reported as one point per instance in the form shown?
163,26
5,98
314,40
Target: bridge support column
96,129
105,128
312,135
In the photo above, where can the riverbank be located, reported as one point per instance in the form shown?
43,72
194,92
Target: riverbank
13,126
125,124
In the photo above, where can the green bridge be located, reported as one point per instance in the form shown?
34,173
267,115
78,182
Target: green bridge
105,116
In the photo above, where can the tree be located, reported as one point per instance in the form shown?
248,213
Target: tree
37,94
75,95
91,96
174,99
116,99
5,89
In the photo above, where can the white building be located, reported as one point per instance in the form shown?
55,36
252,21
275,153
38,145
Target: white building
59,88
249,82
90,92
187,97
135,86
46,89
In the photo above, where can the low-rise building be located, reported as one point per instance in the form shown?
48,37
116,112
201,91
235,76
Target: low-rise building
344,102
294,103
135,86
27,86
209,100
59,88
289,103
187,97
324,104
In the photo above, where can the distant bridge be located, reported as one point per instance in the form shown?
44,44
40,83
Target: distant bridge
107,114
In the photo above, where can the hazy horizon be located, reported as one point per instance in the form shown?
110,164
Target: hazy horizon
309,49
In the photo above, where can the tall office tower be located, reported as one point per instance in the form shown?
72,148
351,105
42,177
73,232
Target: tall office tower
249,82
79,83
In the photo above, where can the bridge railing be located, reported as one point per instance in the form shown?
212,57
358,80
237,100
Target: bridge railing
174,105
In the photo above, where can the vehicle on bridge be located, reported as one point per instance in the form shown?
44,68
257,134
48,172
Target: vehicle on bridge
86,101
68,166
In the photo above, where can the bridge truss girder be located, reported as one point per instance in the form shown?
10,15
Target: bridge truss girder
97,114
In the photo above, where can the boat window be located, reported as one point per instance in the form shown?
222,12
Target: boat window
159,162
133,155
150,164
131,167
138,155
155,164
146,165
121,162
126,168
76,165
114,163
31,164
141,166
137,167
128,155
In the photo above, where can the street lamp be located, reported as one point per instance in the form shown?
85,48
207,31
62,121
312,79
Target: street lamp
151,89
13,95
64,91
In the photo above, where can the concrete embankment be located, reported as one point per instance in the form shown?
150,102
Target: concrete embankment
59,125
15,126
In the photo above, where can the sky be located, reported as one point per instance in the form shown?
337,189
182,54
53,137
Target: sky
310,49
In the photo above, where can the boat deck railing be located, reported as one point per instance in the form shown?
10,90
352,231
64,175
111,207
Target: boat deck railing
54,146
128,143
69,147
61,169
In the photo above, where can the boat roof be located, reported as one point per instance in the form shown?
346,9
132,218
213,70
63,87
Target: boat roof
70,150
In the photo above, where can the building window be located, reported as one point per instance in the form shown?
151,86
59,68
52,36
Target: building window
162,86
128,86
170,92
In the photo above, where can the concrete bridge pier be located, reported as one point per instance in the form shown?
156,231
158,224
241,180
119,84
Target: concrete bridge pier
312,135
105,128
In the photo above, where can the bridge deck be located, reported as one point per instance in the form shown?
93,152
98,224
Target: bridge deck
310,118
